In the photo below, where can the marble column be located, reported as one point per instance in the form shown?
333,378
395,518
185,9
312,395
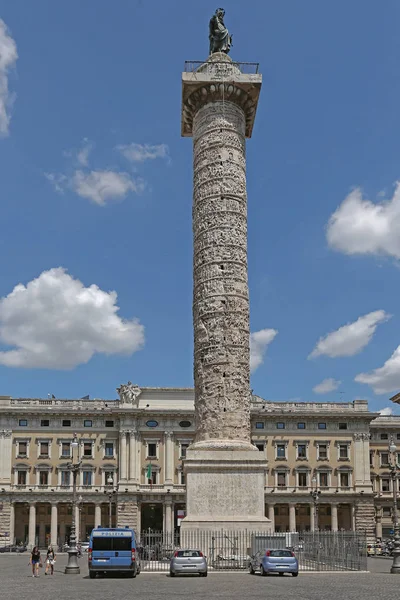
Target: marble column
97,514
32,525
378,523
168,519
292,517
139,520
122,456
334,517
12,522
133,456
312,517
169,458
353,517
54,525
271,516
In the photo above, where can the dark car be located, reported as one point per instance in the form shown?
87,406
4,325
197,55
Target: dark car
13,548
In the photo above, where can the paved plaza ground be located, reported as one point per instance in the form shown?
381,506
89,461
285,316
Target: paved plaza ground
16,582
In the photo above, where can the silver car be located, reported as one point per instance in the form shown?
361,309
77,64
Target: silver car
274,561
188,561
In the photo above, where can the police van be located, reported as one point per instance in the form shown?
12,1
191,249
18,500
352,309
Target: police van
113,550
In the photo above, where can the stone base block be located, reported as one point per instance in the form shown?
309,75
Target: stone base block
225,490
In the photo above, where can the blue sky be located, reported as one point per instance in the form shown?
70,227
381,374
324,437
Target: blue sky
96,180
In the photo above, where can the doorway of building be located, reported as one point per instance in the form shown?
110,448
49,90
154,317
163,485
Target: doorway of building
152,517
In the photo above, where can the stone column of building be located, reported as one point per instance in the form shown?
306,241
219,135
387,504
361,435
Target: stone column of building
168,526
378,517
122,455
169,458
127,511
139,519
312,517
12,523
97,514
54,524
133,456
292,517
32,525
225,473
5,457
271,516
334,517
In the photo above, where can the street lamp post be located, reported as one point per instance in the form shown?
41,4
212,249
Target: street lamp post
315,494
394,472
72,567
110,491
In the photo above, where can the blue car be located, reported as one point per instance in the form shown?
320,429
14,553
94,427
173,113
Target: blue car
274,561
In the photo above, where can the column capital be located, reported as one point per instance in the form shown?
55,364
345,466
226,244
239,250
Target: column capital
169,434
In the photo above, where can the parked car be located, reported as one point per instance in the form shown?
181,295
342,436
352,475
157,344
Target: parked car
13,548
274,561
188,561
84,547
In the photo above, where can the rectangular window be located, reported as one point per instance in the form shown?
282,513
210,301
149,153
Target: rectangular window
322,451
344,480
87,477
260,447
44,423
384,436
22,449
321,425
109,423
281,451
44,449
323,480
398,436
182,478
65,477
65,449
301,451
109,449
342,425
386,511
87,449
384,459
87,423
302,479
21,478
343,451
301,425
280,425
66,423
385,485
43,477
153,478
281,479
23,423
151,450
259,425
371,458
184,447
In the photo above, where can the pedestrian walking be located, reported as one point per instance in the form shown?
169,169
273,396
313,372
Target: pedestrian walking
50,560
35,561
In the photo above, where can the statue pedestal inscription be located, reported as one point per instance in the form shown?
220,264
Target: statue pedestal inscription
225,473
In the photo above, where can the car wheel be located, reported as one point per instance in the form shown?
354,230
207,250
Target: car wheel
295,574
205,574
280,574
92,574
262,571
251,570
171,574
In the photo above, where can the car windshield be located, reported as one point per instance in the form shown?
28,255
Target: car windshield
280,553
112,543
188,553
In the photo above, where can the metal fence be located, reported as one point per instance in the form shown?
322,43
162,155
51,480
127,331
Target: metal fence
232,550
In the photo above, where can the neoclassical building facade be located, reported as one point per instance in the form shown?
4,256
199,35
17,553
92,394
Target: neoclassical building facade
132,454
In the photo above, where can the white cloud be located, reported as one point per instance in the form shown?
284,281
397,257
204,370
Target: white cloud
259,341
8,58
83,154
55,322
326,386
351,338
142,152
386,379
101,186
359,226
386,412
